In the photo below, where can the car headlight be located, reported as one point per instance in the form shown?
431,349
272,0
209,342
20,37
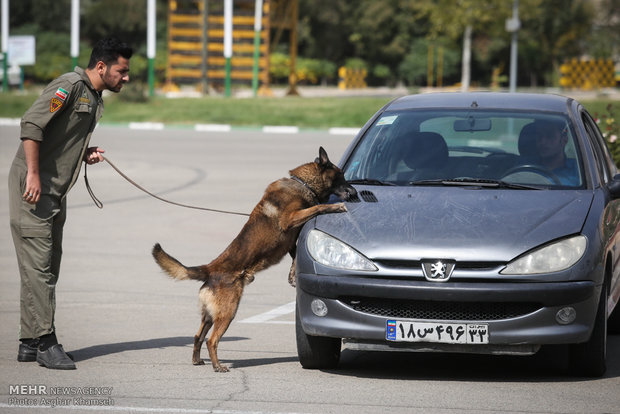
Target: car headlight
331,252
551,258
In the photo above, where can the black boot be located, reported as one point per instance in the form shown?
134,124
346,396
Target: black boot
55,357
28,350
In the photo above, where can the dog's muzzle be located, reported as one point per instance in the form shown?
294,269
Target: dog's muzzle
345,193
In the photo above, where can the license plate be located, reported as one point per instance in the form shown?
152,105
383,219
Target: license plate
444,333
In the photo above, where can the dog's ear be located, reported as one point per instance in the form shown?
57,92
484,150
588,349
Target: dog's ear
323,159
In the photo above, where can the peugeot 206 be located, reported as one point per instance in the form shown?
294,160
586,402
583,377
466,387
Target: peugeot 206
484,223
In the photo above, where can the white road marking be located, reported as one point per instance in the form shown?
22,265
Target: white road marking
213,127
154,126
343,131
10,121
269,316
280,129
158,126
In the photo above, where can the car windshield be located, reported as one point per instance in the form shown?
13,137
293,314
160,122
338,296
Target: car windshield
470,147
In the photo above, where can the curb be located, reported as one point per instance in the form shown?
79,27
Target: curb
269,129
159,126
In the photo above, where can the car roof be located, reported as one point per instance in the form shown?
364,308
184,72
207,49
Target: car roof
482,100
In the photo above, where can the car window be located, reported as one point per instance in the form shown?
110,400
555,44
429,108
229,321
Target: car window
604,161
408,147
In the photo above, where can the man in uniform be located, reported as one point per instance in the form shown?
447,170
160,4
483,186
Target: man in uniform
55,133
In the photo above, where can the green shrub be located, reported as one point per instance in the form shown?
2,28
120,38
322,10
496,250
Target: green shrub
355,63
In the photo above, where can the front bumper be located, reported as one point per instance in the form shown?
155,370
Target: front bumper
517,314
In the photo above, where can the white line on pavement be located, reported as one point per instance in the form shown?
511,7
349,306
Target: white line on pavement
269,316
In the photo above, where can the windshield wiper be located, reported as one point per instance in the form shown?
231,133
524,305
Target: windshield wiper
475,182
370,181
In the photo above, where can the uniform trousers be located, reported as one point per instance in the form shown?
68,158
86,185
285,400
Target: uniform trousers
37,236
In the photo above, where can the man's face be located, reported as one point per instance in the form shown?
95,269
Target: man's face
116,75
550,142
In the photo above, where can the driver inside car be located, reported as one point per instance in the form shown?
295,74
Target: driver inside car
544,141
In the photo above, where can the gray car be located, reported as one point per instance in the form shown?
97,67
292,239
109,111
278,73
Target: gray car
484,223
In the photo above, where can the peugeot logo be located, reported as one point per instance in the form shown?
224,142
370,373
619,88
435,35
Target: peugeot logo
437,270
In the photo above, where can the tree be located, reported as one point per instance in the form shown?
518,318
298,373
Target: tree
378,31
125,19
454,19
50,23
552,31
606,31
413,69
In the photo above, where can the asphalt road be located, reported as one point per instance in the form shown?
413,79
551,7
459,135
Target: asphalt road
130,328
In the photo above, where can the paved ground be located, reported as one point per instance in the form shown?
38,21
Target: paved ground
130,327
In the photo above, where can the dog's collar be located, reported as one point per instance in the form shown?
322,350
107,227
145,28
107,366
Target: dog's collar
305,184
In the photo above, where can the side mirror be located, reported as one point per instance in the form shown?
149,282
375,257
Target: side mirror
614,187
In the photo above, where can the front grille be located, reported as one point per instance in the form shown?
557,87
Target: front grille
416,264
432,310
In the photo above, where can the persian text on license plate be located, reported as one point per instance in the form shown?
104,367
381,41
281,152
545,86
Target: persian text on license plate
445,333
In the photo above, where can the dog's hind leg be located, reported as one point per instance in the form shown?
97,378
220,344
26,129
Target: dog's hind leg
199,338
220,325
228,303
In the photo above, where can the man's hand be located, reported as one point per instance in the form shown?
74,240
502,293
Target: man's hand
32,192
93,155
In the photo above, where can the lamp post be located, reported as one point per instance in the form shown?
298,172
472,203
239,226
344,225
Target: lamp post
75,32
5,45
228,17
150,44
258,21
512,25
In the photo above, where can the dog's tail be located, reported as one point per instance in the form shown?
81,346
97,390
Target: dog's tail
175,268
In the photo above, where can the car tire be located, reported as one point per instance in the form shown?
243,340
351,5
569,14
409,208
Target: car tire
589,358
316,352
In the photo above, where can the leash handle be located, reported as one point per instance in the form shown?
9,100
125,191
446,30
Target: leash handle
99,204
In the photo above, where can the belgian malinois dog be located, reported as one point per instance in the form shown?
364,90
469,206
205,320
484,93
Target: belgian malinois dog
269,234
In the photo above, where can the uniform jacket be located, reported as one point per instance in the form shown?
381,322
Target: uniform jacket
62,119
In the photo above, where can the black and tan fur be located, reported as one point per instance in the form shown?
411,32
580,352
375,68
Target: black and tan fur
269,234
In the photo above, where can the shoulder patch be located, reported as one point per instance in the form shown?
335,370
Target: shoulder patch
62,94
55,104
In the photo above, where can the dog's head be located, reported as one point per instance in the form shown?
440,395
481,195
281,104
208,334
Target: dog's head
332,178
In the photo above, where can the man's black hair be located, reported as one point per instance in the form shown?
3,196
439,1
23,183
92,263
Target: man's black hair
108,50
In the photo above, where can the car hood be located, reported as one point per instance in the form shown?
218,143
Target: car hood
463,224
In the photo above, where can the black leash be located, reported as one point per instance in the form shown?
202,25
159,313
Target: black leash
99,204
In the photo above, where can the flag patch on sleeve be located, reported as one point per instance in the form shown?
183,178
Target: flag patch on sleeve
61,94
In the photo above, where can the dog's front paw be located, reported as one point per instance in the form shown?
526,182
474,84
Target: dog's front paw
339,208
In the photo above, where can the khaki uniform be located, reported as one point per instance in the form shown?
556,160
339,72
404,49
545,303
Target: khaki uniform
62,120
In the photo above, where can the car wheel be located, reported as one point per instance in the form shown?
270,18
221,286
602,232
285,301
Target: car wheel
316,352
589,358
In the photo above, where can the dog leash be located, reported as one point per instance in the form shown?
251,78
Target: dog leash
99,204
